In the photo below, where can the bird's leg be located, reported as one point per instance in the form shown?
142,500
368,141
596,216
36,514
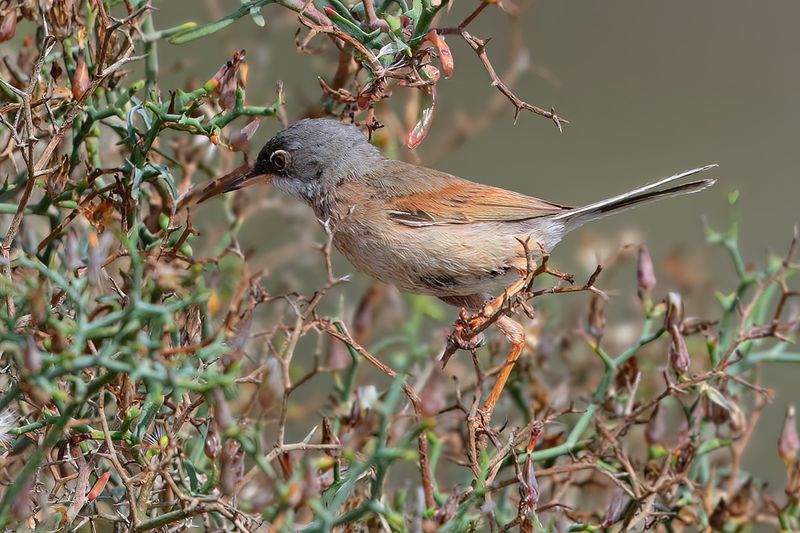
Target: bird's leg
492,306
515,334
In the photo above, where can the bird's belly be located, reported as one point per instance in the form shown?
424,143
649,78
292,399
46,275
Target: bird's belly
452,260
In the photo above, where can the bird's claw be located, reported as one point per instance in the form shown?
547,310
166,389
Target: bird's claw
458,340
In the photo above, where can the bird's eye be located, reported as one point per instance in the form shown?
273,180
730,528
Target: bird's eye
279,159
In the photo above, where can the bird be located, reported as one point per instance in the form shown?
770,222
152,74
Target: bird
423,230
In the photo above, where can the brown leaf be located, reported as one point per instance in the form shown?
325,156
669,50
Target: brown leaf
56,180
8,24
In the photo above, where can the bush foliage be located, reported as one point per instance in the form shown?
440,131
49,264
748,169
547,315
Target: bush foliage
145,386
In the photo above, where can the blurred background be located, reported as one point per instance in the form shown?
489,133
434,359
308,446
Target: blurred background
649,88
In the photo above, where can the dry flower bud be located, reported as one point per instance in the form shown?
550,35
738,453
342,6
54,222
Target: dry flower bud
597,316
8,25
244,68
213,303
678,353
231,466
425,118
674,315
240,140
432,398
443,50
656,428
80,78
227,95
645,274
329,437
614,511
57,179
99,485
789,442
31,356
338,357
212,446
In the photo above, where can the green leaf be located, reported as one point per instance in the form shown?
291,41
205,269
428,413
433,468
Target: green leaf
258,18
213,27
201,31
192,473
733,196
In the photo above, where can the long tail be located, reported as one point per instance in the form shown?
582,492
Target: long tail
649,193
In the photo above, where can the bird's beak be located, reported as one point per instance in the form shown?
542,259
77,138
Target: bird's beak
242,177
251,177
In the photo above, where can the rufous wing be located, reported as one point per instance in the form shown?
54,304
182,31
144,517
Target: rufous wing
418,196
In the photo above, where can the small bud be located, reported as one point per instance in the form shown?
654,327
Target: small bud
212,446
678,353
80,79
529,486
98,486
656,428
432,398
614,511
31,357
597,316
8,25
55,71
56,180
338,358
231,466
213,303
789,442
329,437
244,68
645,274
530,490
674,315
240,140
227,95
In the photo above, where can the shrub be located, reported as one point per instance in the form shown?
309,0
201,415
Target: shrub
132,399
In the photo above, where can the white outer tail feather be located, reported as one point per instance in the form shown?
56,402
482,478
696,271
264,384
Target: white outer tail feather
647,193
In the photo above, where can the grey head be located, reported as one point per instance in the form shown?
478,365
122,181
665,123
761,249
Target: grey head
312,156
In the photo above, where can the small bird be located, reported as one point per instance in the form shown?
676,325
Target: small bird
426,231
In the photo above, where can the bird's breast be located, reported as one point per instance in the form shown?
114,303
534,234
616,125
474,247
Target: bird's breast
446,260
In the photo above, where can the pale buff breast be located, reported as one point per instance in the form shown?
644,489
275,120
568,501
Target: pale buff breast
446,260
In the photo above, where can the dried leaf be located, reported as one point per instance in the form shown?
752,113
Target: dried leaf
8,24
425,117
59,177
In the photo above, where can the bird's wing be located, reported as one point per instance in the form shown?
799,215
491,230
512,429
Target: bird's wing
418,196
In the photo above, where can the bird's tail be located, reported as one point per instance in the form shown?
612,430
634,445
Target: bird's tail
579,216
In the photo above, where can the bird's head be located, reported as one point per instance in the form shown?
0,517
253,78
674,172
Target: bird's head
311,157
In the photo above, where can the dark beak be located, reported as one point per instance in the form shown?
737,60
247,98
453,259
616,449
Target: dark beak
242,177
251,177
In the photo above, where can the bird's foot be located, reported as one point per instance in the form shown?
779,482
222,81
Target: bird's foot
462,338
